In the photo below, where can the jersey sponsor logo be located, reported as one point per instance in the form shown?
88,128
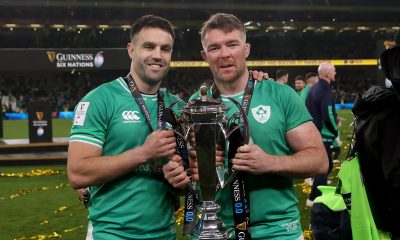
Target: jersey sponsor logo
291,226
261,113
130,116
144,168
80,113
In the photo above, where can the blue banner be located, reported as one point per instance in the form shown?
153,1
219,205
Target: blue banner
344,106
66,115
16,116
24,116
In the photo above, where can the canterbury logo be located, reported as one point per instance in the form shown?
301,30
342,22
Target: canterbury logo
130,116
51,55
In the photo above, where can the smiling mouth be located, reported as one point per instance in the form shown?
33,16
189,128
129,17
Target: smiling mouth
155,66
226,66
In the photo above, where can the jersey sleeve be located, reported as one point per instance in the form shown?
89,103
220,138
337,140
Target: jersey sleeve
296,112
175,103
194,96
90,119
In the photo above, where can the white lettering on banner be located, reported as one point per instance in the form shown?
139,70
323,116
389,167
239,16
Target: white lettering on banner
41,123
76,60
236,191
79,64
80,113
241,236
74,57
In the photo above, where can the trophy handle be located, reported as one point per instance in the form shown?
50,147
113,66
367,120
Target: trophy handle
169,116
184,135
227,134
229,180
233,129
246,130
192,184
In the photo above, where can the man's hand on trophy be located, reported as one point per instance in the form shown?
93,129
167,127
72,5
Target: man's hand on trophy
192,140
160,144
219,155
260,75
252,159
194,171
175,173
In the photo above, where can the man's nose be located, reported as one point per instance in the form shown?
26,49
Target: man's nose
156,53
225,51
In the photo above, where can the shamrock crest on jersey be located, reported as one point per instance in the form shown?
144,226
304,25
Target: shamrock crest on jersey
261,113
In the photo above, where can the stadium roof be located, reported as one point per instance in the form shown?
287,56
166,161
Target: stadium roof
258,14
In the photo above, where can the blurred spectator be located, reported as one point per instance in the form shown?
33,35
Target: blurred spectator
282,76
299,83
65,88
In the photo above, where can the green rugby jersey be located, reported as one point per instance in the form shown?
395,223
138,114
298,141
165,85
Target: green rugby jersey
136,205
274,110
304,93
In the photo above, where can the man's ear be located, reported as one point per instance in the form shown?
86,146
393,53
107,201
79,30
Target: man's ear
130,49
204,55
247,49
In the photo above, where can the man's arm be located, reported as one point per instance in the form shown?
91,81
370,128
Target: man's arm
87,167
309,158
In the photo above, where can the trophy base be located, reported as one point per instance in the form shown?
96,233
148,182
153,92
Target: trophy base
212,236
209,226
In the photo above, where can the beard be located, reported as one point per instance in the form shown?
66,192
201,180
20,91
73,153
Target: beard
231,76
150,76
154,79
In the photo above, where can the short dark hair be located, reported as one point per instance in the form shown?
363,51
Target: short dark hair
311,74
151,21
299,77
222,21
280,73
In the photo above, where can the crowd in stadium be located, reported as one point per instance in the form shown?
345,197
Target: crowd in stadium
64,89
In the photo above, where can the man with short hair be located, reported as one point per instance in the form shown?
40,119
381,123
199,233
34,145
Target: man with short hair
282,76
320,103
311,79
285,142
118,143
299,84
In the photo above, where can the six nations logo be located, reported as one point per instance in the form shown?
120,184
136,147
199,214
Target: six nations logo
261,113
130,116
